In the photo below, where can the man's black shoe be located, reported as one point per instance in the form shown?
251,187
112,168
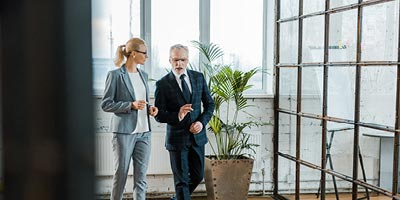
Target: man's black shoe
173,198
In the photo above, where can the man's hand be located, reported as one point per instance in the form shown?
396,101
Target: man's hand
196,127
184,110
153,111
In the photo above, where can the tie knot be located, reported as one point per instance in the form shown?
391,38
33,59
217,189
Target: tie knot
182,76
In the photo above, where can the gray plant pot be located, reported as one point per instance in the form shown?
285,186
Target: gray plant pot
227,179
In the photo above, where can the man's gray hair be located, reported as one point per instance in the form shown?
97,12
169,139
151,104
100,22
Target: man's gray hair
179,46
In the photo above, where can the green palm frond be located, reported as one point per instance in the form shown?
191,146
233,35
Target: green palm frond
215,124
241,103
210,51
227,87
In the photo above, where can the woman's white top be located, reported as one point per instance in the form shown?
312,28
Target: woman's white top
142,123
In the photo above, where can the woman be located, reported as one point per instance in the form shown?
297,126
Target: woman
127,95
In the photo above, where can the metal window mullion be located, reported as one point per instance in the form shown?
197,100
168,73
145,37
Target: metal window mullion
145,29
145,20
397,123
357,104
130,18
341,120
204,23
299,92
396,137
336,10
275,138
325,102
265,50
341,176
340,64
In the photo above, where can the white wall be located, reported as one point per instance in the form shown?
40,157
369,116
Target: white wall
263,110
160,175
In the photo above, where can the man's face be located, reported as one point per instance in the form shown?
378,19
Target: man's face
179,60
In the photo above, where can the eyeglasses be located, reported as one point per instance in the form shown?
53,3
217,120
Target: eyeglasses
179,59
143,52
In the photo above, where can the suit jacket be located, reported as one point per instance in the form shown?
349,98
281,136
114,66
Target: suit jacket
118,96
169,99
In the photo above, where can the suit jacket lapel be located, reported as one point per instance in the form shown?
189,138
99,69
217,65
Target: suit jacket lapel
127,81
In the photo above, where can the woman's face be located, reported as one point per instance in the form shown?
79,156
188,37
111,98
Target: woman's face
140,55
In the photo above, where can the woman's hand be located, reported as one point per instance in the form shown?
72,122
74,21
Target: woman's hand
139,105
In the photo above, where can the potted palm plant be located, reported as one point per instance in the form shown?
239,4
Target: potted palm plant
228,170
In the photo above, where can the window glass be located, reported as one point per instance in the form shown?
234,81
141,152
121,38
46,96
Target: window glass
313,39
239,32
288,88
312,89
289,8
343,36
173,21
341,93
312,6
378,95
339,3
288,42
237,27
113,23
380,26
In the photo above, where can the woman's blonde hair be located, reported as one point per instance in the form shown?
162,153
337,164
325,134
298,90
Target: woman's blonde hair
123,51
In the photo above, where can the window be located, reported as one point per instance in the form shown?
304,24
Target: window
337,72
173,22
113,23
239,31
244,31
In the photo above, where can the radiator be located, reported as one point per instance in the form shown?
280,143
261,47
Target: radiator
159,159
104,155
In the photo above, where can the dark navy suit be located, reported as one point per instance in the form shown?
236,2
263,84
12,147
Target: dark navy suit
186,149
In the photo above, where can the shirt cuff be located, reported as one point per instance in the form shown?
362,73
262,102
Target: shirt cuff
179,118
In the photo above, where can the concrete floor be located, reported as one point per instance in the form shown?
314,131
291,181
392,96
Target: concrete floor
342,196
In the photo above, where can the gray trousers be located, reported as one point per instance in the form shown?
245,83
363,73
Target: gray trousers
126,147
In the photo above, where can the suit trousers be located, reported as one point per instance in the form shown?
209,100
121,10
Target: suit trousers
126,147
188,168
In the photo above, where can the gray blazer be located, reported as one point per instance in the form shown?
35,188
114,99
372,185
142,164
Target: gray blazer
118,95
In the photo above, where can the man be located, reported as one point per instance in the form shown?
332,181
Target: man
178,97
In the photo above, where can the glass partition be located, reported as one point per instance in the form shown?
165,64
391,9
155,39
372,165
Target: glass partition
288,88
341,91
348,113
312,6
313,39
312,87
380,32
343,36
289,41
378,95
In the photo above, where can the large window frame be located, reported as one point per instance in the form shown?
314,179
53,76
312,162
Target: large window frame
204,37
299,114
